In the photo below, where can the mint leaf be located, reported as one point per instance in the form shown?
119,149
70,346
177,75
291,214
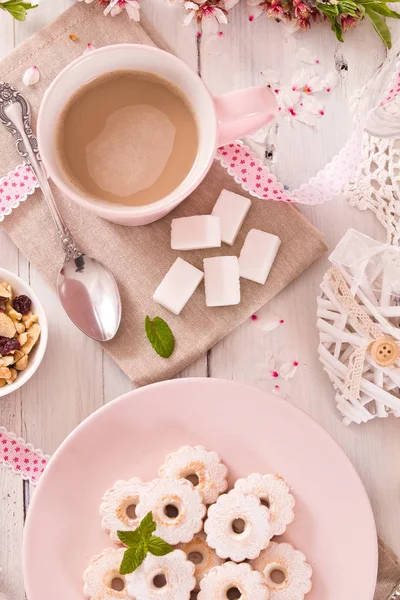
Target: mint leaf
158,547
133,558
160,336
147,527
140,542
129,538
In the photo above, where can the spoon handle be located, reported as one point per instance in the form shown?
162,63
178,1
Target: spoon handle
15,115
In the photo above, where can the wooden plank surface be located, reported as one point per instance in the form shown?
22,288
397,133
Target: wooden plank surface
76,378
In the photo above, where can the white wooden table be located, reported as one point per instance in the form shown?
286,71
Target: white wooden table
76,377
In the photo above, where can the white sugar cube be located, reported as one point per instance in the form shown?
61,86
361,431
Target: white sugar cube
232,209
257,255
178,286
195,233
221,279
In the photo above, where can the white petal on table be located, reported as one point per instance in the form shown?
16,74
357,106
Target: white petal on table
278,391
268,322
331,80
306,56
271,75
288,370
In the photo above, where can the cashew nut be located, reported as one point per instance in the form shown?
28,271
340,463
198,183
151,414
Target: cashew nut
23,338
14,315
6,361
5,373
20,327
33,335
22,363
7,327
13,376
4,292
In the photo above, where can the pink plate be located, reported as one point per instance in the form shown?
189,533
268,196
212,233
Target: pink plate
251,430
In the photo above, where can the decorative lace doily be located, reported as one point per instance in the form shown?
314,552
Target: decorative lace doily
375,185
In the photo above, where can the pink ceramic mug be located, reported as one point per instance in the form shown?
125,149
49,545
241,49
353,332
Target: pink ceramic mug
220,120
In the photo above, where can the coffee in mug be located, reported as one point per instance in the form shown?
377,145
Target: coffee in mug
127,137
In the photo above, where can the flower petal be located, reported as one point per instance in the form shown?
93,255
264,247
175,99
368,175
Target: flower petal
313,106
116,10
331,81
300,78
278,391
270,360
110,6
314,84
271,76
133,11
266,375
288,370
254,12
220,16
269,323
89,48
191,5
189,17
306,56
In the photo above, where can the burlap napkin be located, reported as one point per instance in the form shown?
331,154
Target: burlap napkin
388,586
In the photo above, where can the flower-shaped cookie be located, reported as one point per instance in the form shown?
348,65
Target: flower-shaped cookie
118,507
202,556
285,571
177,509
202,468
233,581
102,579
169,577
237,526
273,491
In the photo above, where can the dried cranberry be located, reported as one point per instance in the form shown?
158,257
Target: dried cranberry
22,304
7,345
2,305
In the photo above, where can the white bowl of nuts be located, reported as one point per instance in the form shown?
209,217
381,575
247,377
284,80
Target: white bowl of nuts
23,332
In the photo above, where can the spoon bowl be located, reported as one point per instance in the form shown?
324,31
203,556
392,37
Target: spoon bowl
90,297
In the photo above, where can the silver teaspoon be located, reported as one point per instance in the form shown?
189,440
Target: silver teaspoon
86,288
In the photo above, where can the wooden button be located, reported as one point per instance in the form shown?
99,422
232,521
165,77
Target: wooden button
384,352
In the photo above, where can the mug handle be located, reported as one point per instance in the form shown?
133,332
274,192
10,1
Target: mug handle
244,111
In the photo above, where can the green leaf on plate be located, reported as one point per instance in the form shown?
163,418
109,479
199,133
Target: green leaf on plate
140,542
158,547
160,336
129,538
147,526
133,558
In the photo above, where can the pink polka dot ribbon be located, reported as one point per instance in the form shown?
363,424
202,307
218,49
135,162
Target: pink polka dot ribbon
246,168
21,457
15,188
